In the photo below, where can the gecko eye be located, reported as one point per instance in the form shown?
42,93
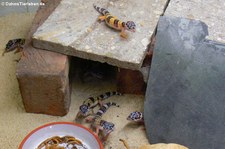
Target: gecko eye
84,109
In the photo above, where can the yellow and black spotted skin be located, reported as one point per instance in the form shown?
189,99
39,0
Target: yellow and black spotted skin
115,23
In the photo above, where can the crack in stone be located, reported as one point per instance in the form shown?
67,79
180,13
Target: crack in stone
165,7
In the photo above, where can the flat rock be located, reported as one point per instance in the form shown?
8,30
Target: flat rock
211,12
73,29
185,93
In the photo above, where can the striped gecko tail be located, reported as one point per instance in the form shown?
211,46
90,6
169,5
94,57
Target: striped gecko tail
117,93
114,104
105,107
109,94
103,11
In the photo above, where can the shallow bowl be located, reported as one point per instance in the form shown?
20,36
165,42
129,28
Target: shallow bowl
38,135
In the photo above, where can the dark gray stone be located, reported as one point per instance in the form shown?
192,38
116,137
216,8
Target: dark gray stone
185,97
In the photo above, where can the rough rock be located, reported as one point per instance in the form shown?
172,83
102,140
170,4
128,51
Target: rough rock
185,94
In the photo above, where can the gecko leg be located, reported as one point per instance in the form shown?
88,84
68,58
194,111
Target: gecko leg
18,49
92,111
105,137
102,18
100,103
123,34
89,119
3,53
77,117
22,51
97,130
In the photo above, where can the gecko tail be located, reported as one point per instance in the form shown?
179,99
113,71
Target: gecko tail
114,104
103,11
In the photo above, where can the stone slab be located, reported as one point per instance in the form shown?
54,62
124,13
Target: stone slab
43,75
73,29
185,95
211,12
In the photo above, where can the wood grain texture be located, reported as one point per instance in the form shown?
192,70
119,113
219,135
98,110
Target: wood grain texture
43,75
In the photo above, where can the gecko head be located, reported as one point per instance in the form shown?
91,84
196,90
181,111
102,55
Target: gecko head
130,26
10,46
107,126
84,110
135,116
13,44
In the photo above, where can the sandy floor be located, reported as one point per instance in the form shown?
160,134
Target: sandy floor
15,123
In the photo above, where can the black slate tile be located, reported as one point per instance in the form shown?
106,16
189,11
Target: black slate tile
185,97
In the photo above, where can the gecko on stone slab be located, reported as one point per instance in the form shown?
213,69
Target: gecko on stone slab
115,23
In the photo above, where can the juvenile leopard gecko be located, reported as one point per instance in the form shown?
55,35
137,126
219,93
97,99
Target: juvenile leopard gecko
136,117
14,44
107,128
115,23
98,115
87,107
99,124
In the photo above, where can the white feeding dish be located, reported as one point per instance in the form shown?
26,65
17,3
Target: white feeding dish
40,134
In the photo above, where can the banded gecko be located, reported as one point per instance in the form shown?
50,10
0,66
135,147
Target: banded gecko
87,107
107,128
136,117
98,115
14,44
115,23
99,124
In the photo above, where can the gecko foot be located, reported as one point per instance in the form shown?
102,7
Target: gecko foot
101,18
123,35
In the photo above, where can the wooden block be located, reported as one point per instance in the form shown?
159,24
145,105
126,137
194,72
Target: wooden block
43,75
